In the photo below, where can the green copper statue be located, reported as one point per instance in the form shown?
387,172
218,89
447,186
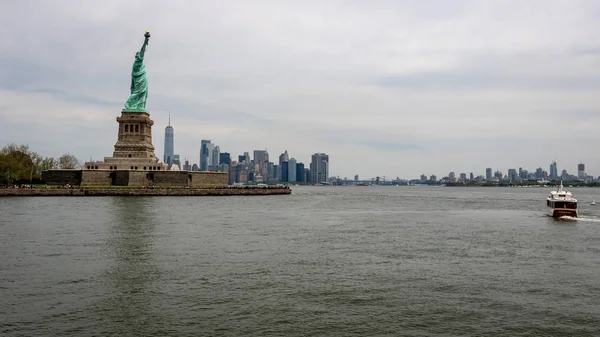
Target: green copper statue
139,81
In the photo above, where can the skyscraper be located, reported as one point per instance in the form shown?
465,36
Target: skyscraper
292,170
244,158
284,166
285,171
319,168
277,172
271,171
488,173
300,172
205,154
498,175
539,173
581,171
284,157
169,144
260,156
523,174
176,161
225,158
513,175
215,157
553,171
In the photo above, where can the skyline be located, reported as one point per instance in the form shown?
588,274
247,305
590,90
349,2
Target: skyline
401,88
273,156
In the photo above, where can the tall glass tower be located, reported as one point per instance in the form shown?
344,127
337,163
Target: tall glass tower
206,149
169,144
553,171
319,168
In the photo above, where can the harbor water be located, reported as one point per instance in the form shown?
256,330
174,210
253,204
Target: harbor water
324,261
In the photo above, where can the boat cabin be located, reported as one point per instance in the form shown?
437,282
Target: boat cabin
561,204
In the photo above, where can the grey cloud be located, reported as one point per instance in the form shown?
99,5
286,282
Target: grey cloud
17,73
460,80
203,112
591,51
72,96
484,72
353,136
575,115
359,79
21,74
389,146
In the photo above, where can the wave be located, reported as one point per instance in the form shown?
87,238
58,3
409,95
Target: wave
584,219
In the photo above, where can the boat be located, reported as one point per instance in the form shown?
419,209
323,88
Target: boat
593,202
561,203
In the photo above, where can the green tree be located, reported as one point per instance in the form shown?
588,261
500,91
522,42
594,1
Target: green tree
16,164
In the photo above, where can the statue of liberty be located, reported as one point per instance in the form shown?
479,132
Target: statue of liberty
139,81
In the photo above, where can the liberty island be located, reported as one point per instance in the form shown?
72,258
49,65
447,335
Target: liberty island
133,163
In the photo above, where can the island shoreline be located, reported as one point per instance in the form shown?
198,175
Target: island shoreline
141,192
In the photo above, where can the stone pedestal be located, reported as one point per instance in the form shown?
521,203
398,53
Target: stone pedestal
135,136
134,149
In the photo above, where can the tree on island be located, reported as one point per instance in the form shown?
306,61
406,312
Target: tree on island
18,164
49,163
68,162
15,163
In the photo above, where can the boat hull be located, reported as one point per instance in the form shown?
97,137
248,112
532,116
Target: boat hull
558,212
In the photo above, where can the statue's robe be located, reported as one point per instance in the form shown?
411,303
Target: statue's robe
139,85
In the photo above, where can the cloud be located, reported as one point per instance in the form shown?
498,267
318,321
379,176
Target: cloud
389,146
392,88
532,72
343,139
467,80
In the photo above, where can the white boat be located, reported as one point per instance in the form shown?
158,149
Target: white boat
593,202
561,203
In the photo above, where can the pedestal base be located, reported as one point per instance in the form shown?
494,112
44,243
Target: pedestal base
134,150
135,136
136,110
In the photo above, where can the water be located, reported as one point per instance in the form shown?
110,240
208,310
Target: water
324,261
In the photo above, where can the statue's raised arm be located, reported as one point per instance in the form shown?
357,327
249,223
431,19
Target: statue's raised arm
146,39
139,81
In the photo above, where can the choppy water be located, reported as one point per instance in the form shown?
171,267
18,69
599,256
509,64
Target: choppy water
324,261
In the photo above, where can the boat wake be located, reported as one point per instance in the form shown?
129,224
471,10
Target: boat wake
583,219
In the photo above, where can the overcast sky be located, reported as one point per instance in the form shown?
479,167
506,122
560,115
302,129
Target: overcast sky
386,88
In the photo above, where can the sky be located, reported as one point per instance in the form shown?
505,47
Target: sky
385,87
